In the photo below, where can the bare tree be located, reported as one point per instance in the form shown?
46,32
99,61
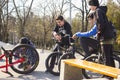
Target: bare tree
3,20
83,13
22,14
49,9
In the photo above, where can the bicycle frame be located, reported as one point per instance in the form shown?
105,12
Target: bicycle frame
7,54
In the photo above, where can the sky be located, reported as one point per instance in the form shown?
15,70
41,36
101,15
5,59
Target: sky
67,13
36,7
76,2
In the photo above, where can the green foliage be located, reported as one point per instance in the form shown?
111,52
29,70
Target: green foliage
76,25
113,14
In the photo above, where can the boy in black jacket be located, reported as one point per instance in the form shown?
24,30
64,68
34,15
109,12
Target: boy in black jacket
104,34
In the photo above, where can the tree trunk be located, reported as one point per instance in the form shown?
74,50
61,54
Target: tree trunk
0,24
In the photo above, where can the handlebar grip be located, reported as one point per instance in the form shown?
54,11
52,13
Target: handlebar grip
3,49
6,52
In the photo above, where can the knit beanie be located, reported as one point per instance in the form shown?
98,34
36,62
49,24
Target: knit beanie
93,2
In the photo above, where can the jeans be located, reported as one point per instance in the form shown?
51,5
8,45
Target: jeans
107,50
88,44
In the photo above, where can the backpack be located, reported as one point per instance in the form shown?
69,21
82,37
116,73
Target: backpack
25,40
107,29
114,30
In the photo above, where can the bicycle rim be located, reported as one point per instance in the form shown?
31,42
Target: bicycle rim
89,74
31,59
52,63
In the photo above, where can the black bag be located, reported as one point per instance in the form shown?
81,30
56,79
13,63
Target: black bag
109,31
114,30
24,40
106,29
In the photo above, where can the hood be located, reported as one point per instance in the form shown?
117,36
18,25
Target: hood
104,8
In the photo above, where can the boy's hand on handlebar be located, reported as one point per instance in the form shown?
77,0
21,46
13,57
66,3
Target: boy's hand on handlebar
74,36
58,37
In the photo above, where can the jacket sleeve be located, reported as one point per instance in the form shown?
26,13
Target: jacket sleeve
68,29
90,33
55,28
100,21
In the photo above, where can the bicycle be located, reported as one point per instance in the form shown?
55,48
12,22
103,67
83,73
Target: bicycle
52,60
100,58
95,56
72,53
20,55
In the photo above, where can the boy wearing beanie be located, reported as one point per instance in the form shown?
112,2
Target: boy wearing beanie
104,34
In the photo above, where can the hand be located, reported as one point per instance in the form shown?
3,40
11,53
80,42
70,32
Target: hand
58,37
74,36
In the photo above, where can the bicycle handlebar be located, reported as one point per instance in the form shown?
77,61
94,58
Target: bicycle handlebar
3,49
6,52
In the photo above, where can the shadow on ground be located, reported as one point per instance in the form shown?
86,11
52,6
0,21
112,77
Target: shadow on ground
36,75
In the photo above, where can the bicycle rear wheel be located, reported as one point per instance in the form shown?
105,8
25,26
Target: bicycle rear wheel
30,56
116,60
88,74
52,63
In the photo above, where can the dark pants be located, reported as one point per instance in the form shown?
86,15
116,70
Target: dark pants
88,44
107,50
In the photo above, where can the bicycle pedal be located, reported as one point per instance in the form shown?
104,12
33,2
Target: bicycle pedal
7,73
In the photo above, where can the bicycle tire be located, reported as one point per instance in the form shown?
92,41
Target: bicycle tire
88,74
53,67
117,60
32,58
65,56
91,58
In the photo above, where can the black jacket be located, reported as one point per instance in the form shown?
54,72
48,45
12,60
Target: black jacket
65,29
104,31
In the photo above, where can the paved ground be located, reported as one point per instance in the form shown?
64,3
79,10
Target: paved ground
38,74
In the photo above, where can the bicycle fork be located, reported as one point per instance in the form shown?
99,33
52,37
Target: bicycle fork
6,67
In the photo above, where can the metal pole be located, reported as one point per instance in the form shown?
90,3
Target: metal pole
70,13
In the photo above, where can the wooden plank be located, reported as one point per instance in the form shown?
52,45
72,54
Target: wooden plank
99,68
68,72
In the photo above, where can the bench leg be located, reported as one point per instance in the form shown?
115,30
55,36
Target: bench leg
69,72
118,77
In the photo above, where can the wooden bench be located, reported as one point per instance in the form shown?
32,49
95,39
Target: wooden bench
71,69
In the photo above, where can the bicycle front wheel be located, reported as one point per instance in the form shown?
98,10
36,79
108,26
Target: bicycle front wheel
89,74
31,59
65,56
52,63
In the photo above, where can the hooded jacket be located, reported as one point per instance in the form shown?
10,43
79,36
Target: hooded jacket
104,32
91,32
